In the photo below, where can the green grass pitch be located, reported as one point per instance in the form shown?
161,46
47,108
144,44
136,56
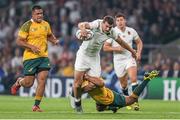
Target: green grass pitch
14,107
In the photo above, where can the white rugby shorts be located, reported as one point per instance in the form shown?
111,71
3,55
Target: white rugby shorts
121,66
87,63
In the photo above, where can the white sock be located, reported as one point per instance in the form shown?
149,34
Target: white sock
77,100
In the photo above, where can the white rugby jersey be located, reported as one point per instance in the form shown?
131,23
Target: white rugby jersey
93,46
128,36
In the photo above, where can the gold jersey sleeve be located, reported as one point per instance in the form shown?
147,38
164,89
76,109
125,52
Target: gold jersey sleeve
35,34
102,95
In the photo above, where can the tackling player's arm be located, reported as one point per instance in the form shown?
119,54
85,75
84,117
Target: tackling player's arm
107,47
126,46
22,42
139,45
95,80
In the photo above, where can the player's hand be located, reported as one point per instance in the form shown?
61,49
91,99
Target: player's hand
35,49
84,33
56,42
134,55
138,57
89,87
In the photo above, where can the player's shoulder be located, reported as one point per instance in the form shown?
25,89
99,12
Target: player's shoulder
130,29
26,25
45,22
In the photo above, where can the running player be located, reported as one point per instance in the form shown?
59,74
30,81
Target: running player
124,64
34,36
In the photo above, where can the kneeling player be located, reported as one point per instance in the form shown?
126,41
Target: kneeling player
107,99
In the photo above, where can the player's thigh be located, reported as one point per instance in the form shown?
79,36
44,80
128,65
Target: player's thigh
78,77
132,72
81,62
95,67
42,75
132,69
123,80
29,80
43,69
120,68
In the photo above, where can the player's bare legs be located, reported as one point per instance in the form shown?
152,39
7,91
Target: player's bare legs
132,72
41,79
78,79
124,83
26,81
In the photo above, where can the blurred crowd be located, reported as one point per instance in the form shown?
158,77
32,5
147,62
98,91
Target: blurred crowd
155,21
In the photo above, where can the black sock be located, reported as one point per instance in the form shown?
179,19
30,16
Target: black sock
78,103
37,102
125,91
138,90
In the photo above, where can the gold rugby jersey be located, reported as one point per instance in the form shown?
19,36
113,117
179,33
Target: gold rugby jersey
35,34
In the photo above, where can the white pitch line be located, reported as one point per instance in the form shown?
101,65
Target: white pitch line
121,112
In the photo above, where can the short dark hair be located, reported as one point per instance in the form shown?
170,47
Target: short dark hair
108,19
36,7
120,15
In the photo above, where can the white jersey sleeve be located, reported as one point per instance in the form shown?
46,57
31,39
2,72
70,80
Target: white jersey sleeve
94,24
135,34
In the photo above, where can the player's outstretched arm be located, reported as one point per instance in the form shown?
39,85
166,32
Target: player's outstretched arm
107,47
126,46
95,80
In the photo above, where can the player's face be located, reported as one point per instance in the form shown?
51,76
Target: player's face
37,15
120,22
106,27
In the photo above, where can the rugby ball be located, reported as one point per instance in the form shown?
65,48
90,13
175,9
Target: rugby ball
88,37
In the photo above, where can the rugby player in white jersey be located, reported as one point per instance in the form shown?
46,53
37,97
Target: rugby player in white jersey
124,64
88,55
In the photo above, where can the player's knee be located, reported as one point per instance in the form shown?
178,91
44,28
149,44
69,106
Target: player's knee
28,83
133,79
123,83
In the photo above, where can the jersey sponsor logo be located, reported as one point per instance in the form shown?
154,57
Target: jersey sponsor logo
30,70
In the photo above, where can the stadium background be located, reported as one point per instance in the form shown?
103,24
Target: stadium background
156,21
